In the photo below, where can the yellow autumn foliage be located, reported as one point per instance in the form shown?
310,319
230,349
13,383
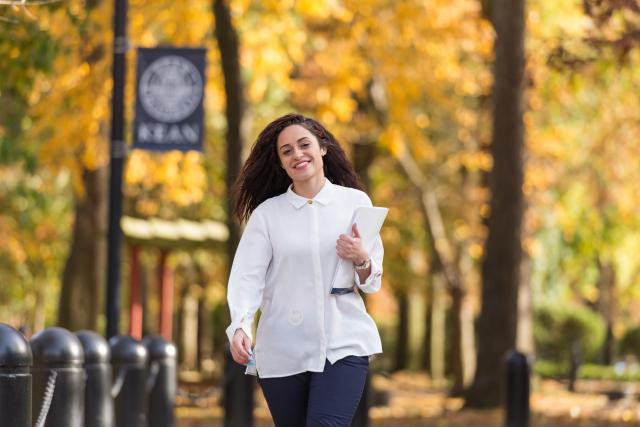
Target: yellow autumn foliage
413,77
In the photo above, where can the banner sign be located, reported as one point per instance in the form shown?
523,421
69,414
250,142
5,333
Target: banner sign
170,92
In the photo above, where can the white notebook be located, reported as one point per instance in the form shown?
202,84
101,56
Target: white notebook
369,220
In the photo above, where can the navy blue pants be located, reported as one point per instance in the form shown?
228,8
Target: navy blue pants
314,399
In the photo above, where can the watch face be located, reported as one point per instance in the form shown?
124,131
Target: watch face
170,89
364,265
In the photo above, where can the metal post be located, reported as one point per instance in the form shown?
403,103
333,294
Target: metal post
98,403
162,383
15,378
129,360
58,379
116,166
517,390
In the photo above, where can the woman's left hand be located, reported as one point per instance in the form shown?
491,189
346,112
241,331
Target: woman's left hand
350,247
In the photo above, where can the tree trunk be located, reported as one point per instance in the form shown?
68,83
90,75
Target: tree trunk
83,278
467,347
228,44
525,342
365,149
189,328
402,335
500,268
457,368
438,328
607,306
205,343
463,349
417,308
178,332
150,325
425,358
467,341
363,155
39,314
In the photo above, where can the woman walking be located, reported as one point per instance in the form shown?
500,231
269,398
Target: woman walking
298,192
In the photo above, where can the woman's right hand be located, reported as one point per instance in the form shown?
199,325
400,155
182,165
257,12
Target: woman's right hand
240,347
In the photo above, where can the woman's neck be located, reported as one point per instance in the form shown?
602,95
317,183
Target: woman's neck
309,187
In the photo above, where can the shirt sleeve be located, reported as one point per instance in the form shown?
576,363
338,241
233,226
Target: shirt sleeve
374,281
248,275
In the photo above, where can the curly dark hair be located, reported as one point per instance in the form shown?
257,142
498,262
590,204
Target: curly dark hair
262,177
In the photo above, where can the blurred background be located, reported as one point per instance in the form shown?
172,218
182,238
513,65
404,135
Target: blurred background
408,88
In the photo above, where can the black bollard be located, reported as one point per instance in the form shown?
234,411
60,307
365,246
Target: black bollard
162,382
98,403
58,379
129,360
517,390
238,393
15,378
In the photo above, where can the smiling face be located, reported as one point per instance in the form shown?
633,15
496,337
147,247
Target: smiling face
300,153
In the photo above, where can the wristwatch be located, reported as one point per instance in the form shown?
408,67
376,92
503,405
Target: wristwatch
364,265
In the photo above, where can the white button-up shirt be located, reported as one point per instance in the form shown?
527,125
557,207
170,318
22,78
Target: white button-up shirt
284,265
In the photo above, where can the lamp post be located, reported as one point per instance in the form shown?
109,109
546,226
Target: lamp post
117,154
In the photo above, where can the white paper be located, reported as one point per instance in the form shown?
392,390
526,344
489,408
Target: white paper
369,220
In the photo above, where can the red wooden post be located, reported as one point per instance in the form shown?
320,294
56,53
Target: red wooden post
135,296
166,296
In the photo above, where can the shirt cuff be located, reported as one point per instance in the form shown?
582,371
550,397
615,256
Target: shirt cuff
372,283
245,323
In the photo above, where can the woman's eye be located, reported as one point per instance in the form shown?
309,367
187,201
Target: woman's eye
304,145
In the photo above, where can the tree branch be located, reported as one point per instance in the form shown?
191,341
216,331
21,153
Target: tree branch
438,234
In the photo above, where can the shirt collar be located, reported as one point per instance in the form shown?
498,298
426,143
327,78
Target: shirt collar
323,197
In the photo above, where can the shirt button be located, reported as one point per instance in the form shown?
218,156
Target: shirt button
310,201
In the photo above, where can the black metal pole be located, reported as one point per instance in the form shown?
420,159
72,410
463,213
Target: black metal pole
15,378
161,384
129,360
58,379
98,402
117,161
517,390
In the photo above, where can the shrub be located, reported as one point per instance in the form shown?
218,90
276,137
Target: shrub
606,372
563,330
630,343
548,369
